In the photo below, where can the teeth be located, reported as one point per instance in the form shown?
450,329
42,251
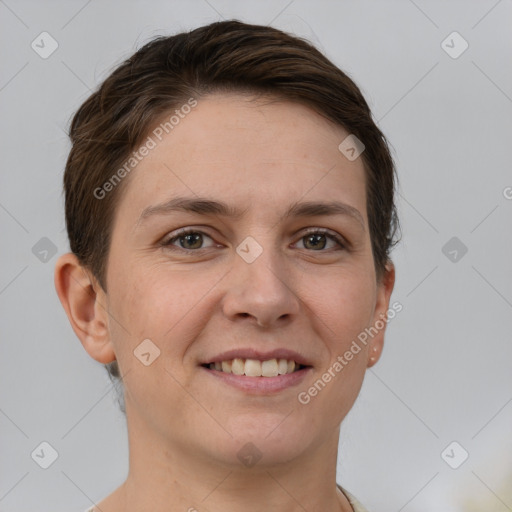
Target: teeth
282,366
238,367
269,368
252,368
255,368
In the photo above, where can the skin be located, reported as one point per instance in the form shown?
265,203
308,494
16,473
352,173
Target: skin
185,427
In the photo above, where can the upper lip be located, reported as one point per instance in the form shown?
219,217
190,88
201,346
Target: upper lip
251,353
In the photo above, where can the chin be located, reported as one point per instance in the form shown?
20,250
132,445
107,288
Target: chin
265,439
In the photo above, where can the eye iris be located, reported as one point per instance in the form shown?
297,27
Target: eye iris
192,236
316,237
193,240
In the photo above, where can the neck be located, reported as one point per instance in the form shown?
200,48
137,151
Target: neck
167,475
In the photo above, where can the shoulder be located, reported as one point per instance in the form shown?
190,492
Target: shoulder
356,505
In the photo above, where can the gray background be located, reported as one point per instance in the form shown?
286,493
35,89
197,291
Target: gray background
445,374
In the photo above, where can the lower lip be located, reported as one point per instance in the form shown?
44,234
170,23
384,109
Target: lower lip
260,385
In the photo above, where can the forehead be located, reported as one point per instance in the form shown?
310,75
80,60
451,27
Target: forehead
242,149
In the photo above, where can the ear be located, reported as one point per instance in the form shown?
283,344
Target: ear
85,303
380,317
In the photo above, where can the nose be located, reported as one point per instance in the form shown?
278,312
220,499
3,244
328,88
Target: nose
262,292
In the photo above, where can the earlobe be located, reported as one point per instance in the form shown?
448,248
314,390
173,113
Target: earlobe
384,290
84,302
374,355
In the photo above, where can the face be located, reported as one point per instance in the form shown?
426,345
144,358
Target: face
275,277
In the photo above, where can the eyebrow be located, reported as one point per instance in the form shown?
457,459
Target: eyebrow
205,206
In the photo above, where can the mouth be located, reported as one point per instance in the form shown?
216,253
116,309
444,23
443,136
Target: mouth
257,373
255,368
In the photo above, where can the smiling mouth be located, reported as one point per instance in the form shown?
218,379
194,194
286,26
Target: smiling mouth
255,367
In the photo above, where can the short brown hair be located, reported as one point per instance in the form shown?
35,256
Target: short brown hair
227,56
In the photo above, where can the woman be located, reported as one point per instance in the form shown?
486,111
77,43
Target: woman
230,211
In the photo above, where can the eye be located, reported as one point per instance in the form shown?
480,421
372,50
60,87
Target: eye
188,239
316,239
192,240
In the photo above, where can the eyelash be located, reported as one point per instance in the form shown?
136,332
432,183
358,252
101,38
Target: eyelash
168,243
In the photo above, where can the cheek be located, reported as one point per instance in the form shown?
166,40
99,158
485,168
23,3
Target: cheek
168,306
344,303
150,306
344,309
355,312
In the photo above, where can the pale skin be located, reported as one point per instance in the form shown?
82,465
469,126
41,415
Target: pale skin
185,427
